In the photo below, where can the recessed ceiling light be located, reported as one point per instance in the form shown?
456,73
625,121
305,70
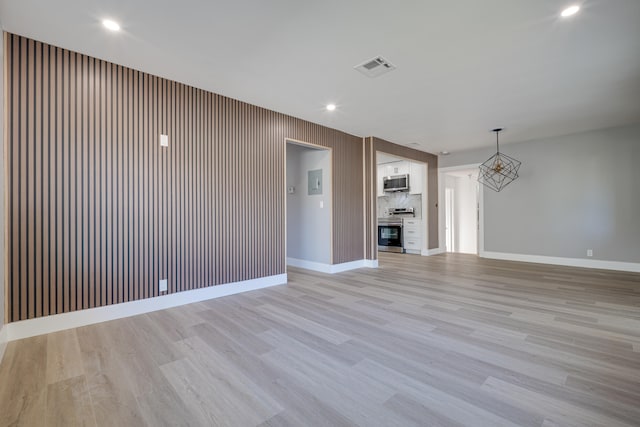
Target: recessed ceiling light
571,10
111,25
331,107
444,153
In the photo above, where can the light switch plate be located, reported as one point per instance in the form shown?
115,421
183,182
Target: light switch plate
163,285
164,140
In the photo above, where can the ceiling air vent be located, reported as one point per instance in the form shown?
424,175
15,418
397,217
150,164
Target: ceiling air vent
375,67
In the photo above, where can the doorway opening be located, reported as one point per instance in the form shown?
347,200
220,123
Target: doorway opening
461,210
308,206
401,205
449,218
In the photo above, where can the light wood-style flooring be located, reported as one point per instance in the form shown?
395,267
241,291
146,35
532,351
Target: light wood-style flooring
448,340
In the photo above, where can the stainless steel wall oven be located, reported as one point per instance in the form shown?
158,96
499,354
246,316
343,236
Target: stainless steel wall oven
390,235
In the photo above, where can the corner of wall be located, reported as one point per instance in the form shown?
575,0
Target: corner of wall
3,341
3,224
3,311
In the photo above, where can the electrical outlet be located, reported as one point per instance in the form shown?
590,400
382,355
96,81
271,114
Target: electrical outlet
163,285
164,140
589,252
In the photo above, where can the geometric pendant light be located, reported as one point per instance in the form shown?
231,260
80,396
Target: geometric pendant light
499,170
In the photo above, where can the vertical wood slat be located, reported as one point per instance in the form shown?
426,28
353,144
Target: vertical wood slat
45,182
58,240
145,185
36,102
108,186
73,182
102,161
90,193
119,199
24,182
98,212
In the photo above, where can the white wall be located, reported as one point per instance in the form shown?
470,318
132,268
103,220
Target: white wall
449,182
308,224
575,192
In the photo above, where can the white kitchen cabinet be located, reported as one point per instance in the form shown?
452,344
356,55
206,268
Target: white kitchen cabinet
414,170
412,235
412,245
396,168
381,175
416,177
390,169
412,223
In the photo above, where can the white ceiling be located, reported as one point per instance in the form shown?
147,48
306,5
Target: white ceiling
464,67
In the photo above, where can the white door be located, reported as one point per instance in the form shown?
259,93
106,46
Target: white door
449,226
461,214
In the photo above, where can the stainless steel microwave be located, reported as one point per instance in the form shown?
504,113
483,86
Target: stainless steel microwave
396,183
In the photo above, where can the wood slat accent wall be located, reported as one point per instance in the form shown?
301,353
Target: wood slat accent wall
3,192
371,146
98,212
370,214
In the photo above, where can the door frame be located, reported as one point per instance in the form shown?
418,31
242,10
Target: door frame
330,188
449,219
424,251
441,207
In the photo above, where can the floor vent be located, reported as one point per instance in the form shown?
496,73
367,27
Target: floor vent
375,67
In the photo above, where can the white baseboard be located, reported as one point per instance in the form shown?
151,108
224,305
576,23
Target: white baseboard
569,262
309,265
371,263
332,268
59,322
3,341
434,251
